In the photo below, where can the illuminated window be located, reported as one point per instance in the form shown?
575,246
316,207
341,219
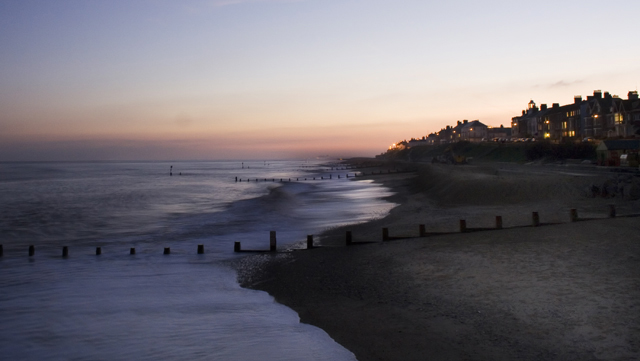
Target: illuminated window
617,117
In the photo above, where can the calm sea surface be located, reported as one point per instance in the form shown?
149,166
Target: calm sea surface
149,306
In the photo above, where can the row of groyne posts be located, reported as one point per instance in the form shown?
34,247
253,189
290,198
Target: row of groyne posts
347,175
237,247
535,222
65,251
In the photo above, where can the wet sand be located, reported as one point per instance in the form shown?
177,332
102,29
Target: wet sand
561,291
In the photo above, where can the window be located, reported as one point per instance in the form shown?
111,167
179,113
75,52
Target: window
618,118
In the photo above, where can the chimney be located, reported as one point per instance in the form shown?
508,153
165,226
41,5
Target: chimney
633,95
524,112
607,95
577,99
543,107
459,122
597,94
556,105
465,121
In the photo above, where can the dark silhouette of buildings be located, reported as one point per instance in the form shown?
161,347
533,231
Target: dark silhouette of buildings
600,116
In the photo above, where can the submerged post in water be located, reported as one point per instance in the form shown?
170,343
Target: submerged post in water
65,251
535,219
498,222
167,250
236,247
385,234
463,225
98,251
272,241
132,251
349,238
201,249
32,250
422,232
309,241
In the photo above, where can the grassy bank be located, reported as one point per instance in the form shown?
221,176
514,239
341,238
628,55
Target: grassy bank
497,152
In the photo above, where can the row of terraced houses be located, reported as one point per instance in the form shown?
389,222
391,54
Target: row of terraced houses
600,116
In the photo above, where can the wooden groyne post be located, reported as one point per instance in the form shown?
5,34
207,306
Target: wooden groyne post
65,251
132,251
237,247
167,250
422,231
201,249
32,250
349,238
573,215
498,222
98,251
612,211
385,234
535,219
463,226
272,241
309,241
1,251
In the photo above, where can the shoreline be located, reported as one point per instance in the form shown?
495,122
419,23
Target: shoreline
562,291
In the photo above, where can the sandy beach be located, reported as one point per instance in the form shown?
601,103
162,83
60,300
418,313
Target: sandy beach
561,291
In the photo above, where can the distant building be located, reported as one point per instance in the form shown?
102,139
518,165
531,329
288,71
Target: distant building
498,133
474,131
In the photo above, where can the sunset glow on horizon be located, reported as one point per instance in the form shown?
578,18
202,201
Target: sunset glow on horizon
278,79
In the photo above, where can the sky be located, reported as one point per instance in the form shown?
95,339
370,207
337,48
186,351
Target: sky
290,79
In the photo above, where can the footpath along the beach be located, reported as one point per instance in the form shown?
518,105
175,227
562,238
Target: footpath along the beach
565,290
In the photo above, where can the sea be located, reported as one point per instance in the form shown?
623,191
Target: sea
150,305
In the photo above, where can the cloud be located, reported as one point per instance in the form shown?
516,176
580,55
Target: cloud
221,3
563,84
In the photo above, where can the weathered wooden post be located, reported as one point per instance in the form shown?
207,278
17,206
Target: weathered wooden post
32,251
65,251
167,250
422,231
132,250
463,225
349,238
236,179
612,211
498,222
272,241
201,249
236,247
330,176
309,241
1,251
573,215
535,219
385,234
98,251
